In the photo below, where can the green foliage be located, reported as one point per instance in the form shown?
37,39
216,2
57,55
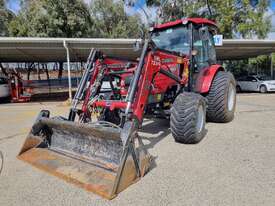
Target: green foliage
73,18
5,18
234,18
111,20
262,59
52,18
259,65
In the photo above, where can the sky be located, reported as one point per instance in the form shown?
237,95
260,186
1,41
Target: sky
271,35
14,5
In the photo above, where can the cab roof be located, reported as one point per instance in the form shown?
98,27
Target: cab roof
180,21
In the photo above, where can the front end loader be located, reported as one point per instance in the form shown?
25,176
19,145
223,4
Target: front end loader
97,147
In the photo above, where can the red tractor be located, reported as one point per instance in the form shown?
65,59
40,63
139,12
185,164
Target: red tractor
97,147
18,92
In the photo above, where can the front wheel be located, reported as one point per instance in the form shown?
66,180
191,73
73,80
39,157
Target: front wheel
221,98
187,119
263,89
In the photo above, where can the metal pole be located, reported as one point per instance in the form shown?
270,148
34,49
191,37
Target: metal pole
69,70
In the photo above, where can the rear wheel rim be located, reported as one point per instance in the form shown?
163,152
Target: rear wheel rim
200,119
231,97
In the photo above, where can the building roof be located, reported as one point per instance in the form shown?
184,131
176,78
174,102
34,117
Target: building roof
52,49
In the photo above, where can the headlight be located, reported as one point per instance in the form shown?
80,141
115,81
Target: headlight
273,84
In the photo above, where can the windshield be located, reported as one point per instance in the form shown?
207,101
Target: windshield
174,39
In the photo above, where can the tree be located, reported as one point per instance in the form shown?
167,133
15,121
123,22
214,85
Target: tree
244,19
52,18
5,18
73,18
111,20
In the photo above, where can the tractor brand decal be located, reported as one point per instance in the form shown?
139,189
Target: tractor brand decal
111,66
167,60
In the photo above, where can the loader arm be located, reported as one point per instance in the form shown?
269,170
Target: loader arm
143,89
99,156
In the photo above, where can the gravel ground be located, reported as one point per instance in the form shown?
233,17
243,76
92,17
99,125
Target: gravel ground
233,165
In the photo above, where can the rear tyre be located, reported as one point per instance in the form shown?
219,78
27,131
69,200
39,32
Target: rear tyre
221,99
263,89
187,119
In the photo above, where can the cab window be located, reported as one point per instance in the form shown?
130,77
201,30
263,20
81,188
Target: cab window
175,39
204,44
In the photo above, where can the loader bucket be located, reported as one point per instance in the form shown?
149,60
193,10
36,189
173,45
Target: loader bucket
99,158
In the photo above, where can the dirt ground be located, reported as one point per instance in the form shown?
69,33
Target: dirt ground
233,165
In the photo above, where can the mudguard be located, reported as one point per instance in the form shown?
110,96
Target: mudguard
205,78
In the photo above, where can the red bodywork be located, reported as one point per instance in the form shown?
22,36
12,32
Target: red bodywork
205,78
151,81
181,21
17,89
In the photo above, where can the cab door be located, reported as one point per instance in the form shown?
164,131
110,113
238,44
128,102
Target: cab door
203,45
205,48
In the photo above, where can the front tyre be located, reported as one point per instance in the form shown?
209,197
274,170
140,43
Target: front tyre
221,99
187,119
263,89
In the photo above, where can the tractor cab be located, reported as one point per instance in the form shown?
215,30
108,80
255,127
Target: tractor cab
186,37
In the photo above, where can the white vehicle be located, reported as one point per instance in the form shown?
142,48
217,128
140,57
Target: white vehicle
255,84
4,87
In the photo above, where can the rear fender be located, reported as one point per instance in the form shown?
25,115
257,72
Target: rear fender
205,78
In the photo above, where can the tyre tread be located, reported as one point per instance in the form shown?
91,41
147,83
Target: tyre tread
217,100
183,118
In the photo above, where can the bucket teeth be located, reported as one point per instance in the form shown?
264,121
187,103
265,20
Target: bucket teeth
101,159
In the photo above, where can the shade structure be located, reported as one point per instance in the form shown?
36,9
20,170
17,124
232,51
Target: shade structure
52,49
